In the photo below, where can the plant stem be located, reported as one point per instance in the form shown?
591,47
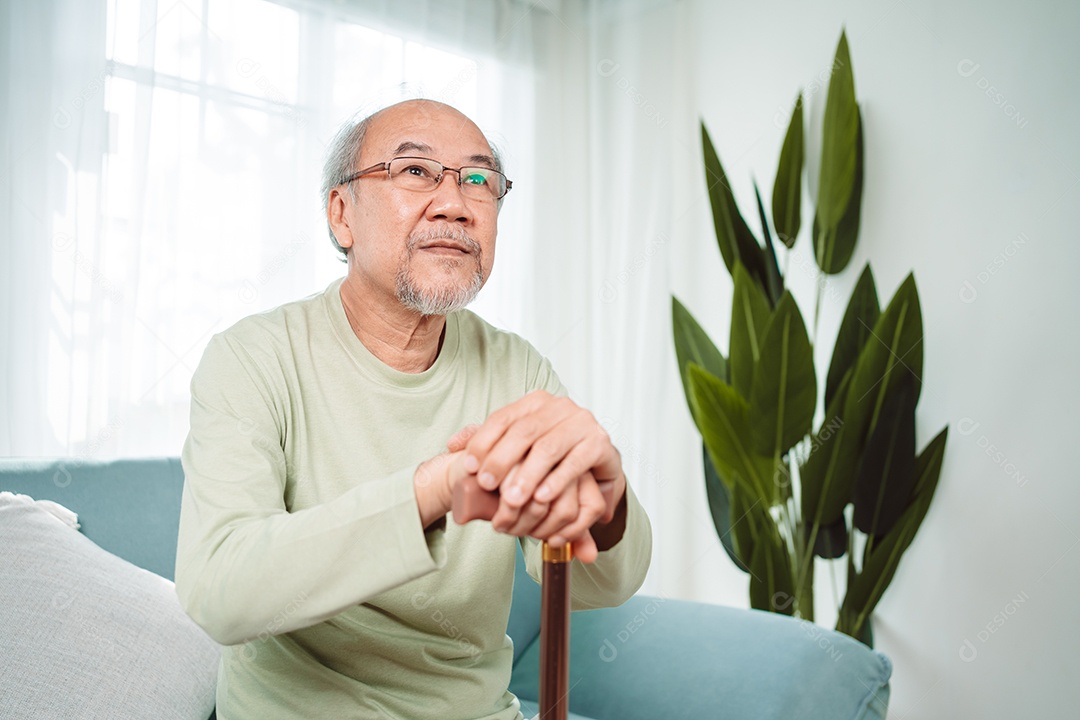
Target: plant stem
866,550
817,311
804,591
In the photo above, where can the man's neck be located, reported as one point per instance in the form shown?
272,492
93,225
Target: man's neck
403,339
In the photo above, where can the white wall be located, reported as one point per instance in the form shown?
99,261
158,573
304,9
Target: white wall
975,189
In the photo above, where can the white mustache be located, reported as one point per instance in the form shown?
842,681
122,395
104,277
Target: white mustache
449,232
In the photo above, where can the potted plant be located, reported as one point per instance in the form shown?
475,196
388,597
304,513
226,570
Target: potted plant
782,489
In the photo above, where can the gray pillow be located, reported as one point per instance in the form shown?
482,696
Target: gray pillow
86,634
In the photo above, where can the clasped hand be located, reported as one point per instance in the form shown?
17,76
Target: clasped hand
547,457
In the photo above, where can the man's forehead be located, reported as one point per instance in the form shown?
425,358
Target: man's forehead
427,128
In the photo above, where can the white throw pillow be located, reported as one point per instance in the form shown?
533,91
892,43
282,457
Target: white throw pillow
86,634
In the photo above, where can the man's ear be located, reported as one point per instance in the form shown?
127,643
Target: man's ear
335,217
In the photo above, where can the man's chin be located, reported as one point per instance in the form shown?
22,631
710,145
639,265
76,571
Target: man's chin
438,299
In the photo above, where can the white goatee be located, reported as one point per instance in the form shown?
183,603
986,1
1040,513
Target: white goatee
447,298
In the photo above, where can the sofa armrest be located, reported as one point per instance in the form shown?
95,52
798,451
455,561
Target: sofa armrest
653,657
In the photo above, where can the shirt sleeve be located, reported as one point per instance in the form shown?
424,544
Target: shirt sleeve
246,566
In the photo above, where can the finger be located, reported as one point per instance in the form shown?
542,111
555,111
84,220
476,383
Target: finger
591,508
591,451
612,492
507,436
573,441
563,511
529,517
496,424
594,453
507,515
461,438
576,460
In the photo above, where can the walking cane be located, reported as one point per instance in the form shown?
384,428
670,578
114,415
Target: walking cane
471,502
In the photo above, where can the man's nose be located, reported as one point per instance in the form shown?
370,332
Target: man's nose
447,201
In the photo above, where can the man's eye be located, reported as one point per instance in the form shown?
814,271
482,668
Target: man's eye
417,171
475,179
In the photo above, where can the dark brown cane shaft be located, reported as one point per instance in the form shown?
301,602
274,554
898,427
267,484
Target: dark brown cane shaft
555,637
471,502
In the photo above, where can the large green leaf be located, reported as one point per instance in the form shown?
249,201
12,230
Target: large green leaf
859,319
787,190
749,318
847,232
743,531
732,235
723,419
885,478
893,352
784,392
828,474
731,526
774,281
839,143
692,345
772,585
865,589
833,248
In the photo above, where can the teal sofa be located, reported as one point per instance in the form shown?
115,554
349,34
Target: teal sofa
651,658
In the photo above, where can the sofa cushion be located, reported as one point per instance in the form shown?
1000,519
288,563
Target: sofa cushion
84,633
627,663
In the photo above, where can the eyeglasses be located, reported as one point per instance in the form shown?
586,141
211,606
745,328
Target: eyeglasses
424,174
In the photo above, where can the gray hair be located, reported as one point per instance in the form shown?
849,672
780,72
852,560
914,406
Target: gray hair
341,156
343,151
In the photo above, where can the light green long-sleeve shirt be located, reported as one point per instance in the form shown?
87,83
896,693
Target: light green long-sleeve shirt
300,542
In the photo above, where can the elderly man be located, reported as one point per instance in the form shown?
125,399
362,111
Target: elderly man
327,436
